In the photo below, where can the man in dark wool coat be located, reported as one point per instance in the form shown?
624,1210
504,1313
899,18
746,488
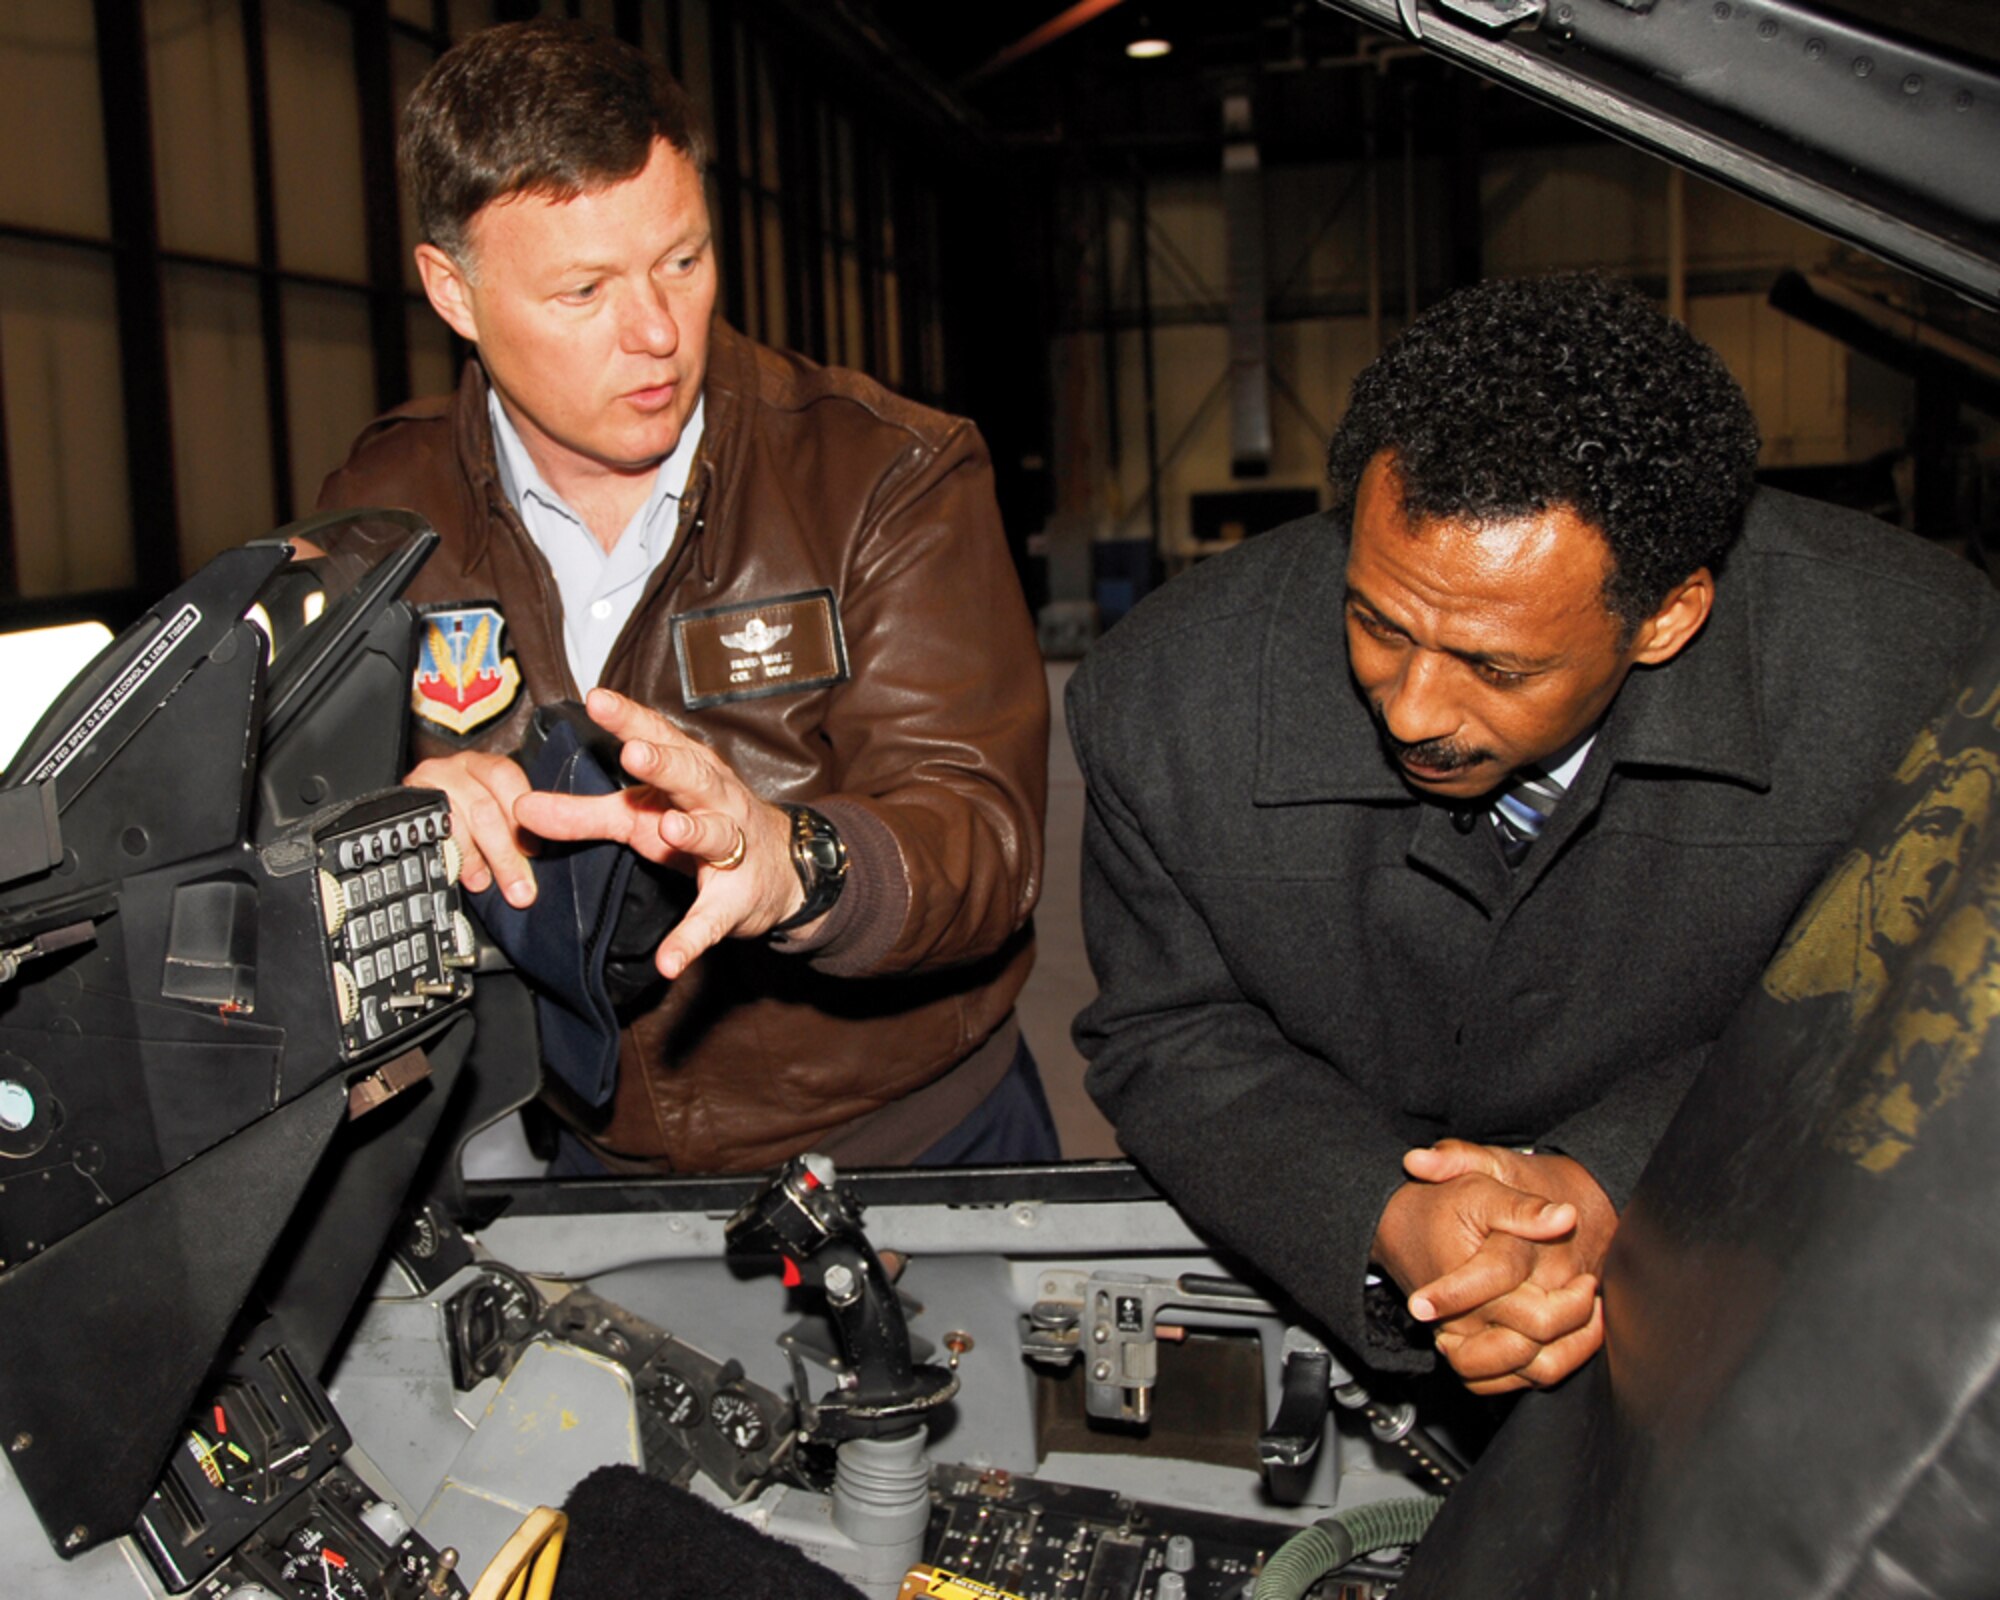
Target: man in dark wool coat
1432,840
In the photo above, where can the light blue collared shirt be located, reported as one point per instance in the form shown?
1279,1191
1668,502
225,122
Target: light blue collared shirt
599,587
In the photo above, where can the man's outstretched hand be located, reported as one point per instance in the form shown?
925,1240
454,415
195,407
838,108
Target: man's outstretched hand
1501,1251
690,811
483,790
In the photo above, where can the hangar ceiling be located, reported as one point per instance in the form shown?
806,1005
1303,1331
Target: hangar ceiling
1079,94
1055,74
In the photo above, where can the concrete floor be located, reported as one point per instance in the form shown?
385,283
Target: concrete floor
1061,984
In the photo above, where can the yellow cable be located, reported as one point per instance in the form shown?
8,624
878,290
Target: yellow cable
525,1568
544,1578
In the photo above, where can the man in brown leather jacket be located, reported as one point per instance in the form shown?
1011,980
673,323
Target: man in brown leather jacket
784,588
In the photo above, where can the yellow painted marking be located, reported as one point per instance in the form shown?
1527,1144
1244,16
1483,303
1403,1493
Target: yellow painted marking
934,1583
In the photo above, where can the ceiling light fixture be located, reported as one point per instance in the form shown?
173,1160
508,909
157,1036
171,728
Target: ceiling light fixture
1149,47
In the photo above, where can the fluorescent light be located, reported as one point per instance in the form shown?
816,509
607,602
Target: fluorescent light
1149,49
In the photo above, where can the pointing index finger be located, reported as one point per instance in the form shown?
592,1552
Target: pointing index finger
628,719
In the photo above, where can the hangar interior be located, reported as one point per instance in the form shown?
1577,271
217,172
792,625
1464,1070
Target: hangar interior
1150,279
208,287
206,290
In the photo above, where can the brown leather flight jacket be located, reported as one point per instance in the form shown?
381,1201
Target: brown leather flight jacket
930,758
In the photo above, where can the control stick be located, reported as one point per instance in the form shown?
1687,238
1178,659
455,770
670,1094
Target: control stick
808,1219
874,1414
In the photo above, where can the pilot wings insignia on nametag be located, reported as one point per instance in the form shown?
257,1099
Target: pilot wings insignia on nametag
462,680
757,636
784,645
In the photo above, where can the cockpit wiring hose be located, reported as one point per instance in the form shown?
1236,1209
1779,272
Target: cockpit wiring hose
1301,1561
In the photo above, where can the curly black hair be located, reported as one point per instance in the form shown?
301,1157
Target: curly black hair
1520,394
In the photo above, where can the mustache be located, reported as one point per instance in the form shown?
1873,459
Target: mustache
1437,755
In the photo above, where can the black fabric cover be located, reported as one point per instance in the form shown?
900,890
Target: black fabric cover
1797,1393
632,1537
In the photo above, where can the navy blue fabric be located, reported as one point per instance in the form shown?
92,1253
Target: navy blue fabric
1011,1124
559,942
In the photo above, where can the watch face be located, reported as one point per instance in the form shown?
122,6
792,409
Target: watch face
826,853
820,859
817,850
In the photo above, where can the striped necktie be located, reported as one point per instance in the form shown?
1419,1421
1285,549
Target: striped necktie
1522,810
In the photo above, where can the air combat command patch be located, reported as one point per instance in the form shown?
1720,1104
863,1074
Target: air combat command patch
462,680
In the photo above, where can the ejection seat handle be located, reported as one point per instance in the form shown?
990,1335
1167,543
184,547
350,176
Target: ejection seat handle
1289,1447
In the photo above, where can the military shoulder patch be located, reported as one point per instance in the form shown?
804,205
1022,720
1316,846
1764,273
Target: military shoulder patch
784,645
463,681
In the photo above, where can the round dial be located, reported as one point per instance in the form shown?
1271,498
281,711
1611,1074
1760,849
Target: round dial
738,1420
346,993
316,1566
675,1401
332,902
423,1238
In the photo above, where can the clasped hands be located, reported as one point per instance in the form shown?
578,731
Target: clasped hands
1499,1252
688,811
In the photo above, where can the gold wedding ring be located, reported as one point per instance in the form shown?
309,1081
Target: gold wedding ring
734,859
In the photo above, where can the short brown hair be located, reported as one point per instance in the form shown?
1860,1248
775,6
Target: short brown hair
547,107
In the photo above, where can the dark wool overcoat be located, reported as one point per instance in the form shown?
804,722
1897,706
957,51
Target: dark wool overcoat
1305,969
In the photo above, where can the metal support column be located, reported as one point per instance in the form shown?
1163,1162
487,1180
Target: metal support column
388,310
139,282
270,292
1142,245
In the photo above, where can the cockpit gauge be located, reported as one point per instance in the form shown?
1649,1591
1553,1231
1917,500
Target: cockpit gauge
675,1401
314,1565
738,1420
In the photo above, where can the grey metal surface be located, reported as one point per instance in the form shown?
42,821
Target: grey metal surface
476,1464
393,1388
581,1247
561,1413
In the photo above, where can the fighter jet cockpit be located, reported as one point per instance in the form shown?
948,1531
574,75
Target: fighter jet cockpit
264,1341
263,1338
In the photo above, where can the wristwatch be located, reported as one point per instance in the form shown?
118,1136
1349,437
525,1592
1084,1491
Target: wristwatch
819,856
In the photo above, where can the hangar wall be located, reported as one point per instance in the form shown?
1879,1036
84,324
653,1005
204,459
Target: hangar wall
205,277
1586,206
206,288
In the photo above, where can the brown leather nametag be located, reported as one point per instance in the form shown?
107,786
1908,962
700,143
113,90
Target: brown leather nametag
783,645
